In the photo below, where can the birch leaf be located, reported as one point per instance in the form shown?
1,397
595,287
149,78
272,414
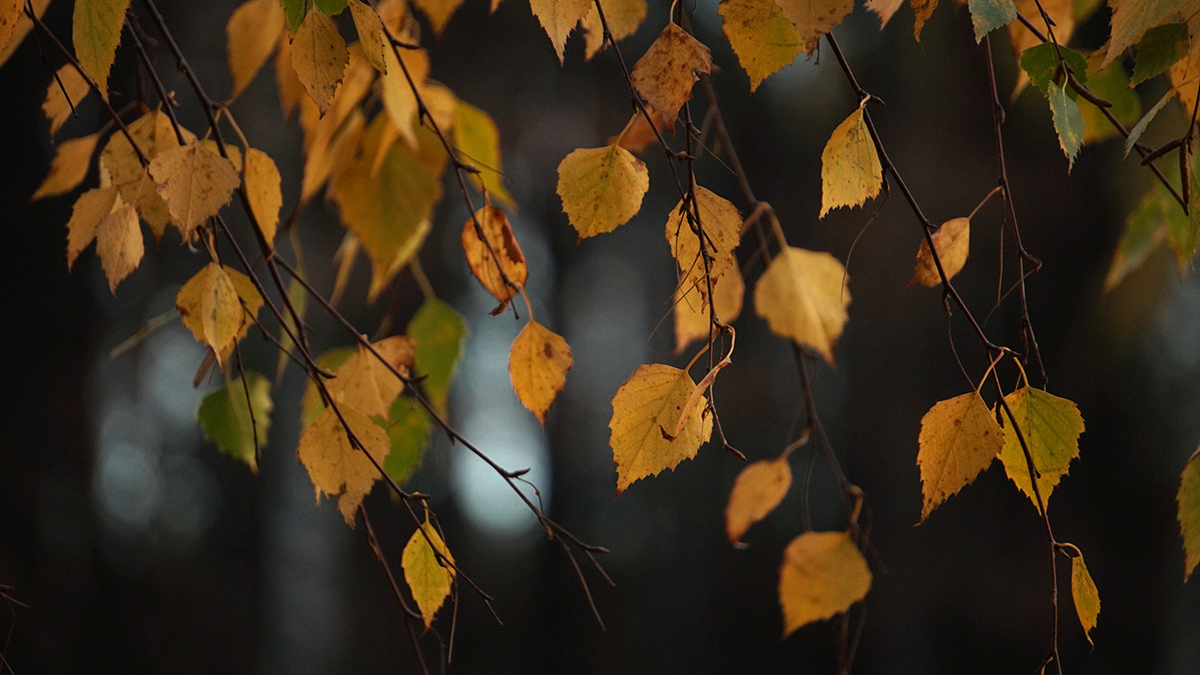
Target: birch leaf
823,574
988,15
439,333
287,82
692,321
814,18
1068,123
89,210
335,466
427,578
558,19
538,365
58,107
601,188
665,74
366,384
959,439
763,39
478,139
922,9
119,244
1086,596
195,183
218,304
508,256
624,18
71,161
1132,18
802,296
10,14
1051,427
370,34
722,225
439,12
952,241
238,429
1189,514
649,403
263,189
850,169
757,491
319,56
251,32
96,32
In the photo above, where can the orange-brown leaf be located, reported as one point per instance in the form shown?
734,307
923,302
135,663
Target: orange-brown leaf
665,74
508,257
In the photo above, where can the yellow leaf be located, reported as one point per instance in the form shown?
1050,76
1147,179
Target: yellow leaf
691,312
211,306
1131,19
57,106
538,365
96,32
923,9
884,9
508,255
195,182
601,188
21,28
959,439
823,574
763,39
262,187
638,134
69,168
757,491
367,385
234,152
251,32
1051,428
814,18
952,241
154,134
1189,514
624,17
648,405
1086,596
478,141
666,72
722,225
558,19
90,208
10,14
319,57
398,98
335,466
802,296
387,211
332,149
850,169
291,89
370,34
119,244
427,578
439,12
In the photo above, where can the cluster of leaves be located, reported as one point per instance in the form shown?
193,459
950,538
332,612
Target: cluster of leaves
381,138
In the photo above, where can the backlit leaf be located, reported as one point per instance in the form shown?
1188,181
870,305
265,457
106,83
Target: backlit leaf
398,97
226,417
439,12
1189,514
370,34
195,182
692,321
57,107
1086,596
508,256
850,169
814,18
624,18
665,74
558,19
438,332
601,188
69,167
959,439
1111,84
1145,227
1042,66
1061,13
211,306
763,39
119,244
263,189
366,384
1051,426
319,57
922,9
154,134
478,141
335,466
757,491
89,210
291,89
1068,123
1158,50
988,15
646,407
1132,18
96,32
823,574
408,431
311,405
722,226
884,9
538,365
803,297
252,31
427,578
952,241
10,13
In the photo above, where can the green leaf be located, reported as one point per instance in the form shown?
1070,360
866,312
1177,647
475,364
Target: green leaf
1111,84
1189,514
226,418
1136,132
1040,62
478,140
1145,228
295,10
988,15
311,406
1159,49
1050,426
331,7
1068,123
1183,233
408,431
439,332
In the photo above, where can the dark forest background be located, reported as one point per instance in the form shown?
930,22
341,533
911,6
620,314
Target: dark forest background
140,549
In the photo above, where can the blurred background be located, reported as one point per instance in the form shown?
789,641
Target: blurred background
140,549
